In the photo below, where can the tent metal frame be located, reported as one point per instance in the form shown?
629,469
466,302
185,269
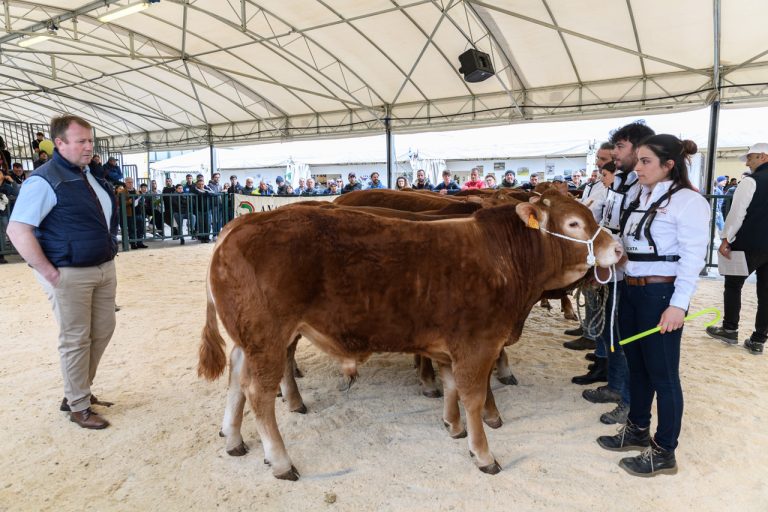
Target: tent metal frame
157,121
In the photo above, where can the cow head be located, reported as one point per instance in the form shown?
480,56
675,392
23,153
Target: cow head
573,231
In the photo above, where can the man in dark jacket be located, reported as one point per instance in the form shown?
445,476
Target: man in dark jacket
421,182
745,230
182,210
447,185
112,171
64,225
352,185
509,181
9,190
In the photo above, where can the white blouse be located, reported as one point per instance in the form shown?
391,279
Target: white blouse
681,227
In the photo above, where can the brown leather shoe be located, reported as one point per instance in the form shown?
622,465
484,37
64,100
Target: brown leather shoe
88,419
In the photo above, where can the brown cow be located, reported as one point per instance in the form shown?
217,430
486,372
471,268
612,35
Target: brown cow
477,278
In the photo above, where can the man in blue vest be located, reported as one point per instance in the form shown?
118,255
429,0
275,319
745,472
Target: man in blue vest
65,225
745,230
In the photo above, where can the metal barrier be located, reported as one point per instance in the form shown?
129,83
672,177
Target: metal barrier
163,216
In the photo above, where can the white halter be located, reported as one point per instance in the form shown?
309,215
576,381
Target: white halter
591,260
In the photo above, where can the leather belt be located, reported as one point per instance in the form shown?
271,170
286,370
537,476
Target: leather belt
642,281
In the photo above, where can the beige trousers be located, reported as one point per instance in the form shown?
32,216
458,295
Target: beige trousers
84,305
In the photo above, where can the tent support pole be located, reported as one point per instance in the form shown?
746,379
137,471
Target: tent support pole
714,111
211,149
714,120
388,128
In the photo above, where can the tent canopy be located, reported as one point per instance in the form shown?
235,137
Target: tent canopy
185,73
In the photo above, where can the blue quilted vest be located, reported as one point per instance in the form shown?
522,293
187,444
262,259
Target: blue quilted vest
74,233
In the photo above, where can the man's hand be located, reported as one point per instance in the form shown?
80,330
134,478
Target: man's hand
52,276
672,319
725,249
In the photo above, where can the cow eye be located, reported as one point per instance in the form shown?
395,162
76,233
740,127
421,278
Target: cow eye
573,224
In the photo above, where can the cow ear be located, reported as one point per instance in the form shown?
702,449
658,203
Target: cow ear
535,199
529,214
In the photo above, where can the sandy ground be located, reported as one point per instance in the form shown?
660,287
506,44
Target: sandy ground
379,446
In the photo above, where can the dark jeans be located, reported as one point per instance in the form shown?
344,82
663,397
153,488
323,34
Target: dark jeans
203,225
618,372
136,227
191,222
3,228
756,262
654,361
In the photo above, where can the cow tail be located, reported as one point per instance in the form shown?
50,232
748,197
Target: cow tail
212,360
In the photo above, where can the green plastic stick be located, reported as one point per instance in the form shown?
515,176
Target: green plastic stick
689,317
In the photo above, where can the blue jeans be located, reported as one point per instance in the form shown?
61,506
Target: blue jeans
618,372
3,227
654,361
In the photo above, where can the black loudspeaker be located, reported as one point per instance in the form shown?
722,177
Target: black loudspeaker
475,65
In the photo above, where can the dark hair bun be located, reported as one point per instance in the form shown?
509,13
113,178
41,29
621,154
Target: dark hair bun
689,147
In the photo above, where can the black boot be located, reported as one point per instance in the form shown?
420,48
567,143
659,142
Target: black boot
574,332
580,344
630,437
599,373
655,460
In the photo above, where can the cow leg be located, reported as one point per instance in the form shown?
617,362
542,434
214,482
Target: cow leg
288,387
567,307
267,368
491,415
545,304
427,378
472,382
233,413
451,413
503,371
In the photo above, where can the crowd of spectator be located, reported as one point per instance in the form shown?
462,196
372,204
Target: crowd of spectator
200,211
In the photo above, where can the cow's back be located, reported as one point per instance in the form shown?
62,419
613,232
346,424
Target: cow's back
369,283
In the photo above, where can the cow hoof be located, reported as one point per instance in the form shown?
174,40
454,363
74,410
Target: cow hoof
460,435
432,393
494,423
221,434
267,463
509,380
238,451
301,410
571,316
298,373
491,469
279,394
292,475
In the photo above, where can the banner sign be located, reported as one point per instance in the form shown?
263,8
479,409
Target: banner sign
249,204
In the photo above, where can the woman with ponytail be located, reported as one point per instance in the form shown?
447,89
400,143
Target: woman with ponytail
665,232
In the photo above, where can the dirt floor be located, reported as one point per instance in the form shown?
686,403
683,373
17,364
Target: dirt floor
379,446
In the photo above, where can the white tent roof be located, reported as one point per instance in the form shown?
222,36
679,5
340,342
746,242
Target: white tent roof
225,71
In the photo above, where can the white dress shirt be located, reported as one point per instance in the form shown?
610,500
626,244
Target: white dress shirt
596,193
681,227
741,199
